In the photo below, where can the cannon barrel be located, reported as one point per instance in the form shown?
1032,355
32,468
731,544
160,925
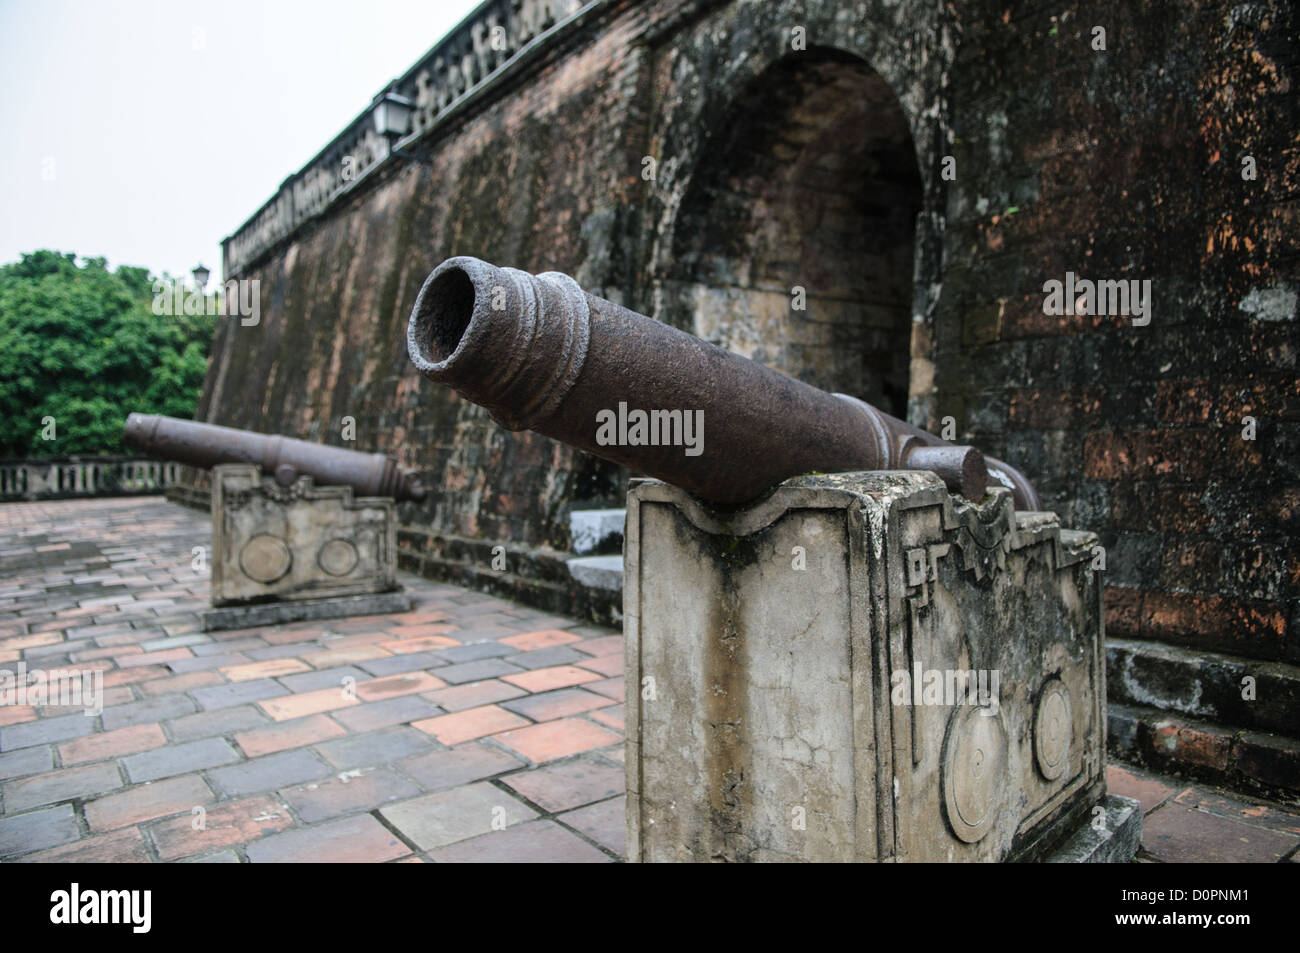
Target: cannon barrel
539,353
206,445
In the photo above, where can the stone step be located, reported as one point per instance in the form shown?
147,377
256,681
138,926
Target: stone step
1267,763
1245,693
598,572
596,531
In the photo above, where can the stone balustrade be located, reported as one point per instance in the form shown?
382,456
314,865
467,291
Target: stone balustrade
57,478
492,39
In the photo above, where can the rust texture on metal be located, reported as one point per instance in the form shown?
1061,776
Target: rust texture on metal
539,353
206,445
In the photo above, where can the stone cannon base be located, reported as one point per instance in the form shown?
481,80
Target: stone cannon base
281,554
1111,836
861,667
298,610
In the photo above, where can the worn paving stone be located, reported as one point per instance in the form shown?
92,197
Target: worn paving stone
223,825
120,847
148,802
547,658
602,645
220,857
45,731
241,693
604,822
474,652
361,789
271,668
439,770
61,785
421,646
564,786
1251,812
611,717
469,724
112,744
329,678
37,830
608,666
179,758
1176,834
25,761
393,686
221,721
14,714
382,714
557,739
414,662
474,694
557,704
547,679
537,842
374,748
208,663
542,639
268,773
179,683
1147,790
154,709
288,734
286,707
610,688
360,839
476,671
436,820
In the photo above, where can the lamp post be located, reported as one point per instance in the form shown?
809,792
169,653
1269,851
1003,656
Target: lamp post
392,118
200,276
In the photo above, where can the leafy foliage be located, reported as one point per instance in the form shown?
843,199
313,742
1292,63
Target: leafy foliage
81,344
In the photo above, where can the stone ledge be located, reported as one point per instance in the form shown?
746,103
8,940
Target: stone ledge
297,610
1116,843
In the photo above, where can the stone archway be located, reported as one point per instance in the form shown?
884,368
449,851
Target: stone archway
810,181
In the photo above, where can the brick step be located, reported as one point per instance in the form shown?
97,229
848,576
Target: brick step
1261,762
1244,693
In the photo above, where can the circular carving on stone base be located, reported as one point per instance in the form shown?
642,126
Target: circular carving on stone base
974,770
1052,729
265,558
338,557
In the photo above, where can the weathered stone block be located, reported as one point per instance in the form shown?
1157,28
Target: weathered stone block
298,542
859,667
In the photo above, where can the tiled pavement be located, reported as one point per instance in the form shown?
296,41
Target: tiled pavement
470,728
1193,823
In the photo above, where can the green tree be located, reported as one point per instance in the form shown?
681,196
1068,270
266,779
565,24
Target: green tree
80,344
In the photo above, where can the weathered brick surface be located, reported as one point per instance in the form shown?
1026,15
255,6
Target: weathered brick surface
148,802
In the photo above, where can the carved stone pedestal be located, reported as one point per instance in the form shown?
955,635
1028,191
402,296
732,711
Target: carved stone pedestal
861,667
280,554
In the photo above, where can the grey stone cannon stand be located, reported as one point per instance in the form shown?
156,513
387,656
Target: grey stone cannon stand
281,554
863,667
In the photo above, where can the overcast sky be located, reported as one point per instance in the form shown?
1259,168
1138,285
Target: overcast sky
145,131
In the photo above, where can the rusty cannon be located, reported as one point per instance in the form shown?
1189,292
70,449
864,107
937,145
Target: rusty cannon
539,353
284,458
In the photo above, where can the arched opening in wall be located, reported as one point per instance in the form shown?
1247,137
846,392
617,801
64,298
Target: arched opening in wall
810,182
